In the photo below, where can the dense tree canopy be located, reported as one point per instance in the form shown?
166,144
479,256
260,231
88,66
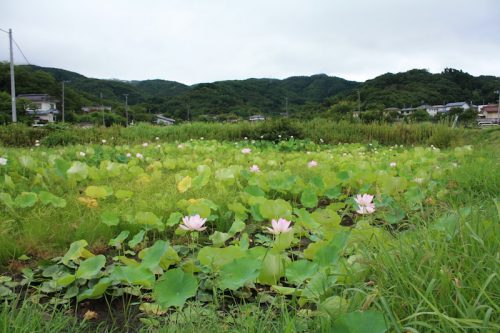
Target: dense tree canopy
300,97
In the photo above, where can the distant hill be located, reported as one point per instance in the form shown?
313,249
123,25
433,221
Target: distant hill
301,96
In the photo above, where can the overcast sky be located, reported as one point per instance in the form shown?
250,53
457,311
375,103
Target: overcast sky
210,40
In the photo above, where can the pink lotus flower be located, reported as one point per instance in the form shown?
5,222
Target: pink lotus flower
139,155
193,223
129,155
365,204
246,150
392,164
254,168
312,164
280,226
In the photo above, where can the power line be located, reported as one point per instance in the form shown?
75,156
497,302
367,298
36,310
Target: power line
19,48
4,31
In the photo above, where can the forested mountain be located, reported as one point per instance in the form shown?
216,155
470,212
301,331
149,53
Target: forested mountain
301,96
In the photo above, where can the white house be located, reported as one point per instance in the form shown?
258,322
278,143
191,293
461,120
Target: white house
463,105
162,120
42,107
257,117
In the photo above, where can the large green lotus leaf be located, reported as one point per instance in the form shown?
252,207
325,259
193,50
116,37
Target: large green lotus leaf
174,219
118,240
309,198
219,238
317,182
319,285
124,194
6,199
330,253
61,167
300,270
237,273
273,268
90,267
199,208
138,237
326,217
96,291
110,218
414,197
275,209
333,306
114,169
237,226
66,280
282,242
203,177
27,162
392,185
78,170
135,275
98,192
254,191
174,288
169,258
149,219
216,257
360,322
239,210
76,251
184,184
26,199
152,256
334,192
48,198
226,174
305,219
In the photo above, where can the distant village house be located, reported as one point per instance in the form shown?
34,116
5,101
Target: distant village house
257,117
42,107
162,120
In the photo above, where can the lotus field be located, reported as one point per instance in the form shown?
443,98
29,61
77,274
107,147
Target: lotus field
297,235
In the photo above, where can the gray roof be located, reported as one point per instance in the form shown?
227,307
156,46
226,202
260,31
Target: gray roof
456,104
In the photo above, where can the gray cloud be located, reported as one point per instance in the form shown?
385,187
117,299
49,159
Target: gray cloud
199,41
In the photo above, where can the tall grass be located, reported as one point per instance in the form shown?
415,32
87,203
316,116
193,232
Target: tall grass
440,135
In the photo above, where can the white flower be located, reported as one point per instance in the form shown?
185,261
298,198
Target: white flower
312,164
37,141
418,180
180,146
192,223
3,161
321,140
37,144
129,155
202,138
158,146
254,168
279,135
245,138
279,226
365,204
157,138
145,144
392,164
82,154
139,155
246,151
262,137
103,141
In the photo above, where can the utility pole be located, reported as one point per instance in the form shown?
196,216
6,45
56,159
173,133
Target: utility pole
12,80
498,113
126,108
359,101
102,110
62,83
